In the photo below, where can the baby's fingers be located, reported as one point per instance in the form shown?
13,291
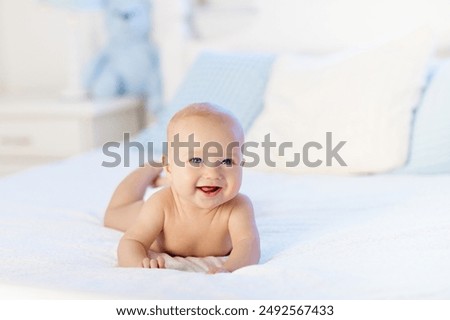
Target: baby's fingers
157,263
153,263
161,262
146,263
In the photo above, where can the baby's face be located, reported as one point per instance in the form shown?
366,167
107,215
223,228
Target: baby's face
210,173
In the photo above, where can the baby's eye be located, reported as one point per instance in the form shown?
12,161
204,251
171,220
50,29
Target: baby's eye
195,161
227,162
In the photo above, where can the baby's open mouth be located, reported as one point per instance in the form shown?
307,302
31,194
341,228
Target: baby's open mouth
210,190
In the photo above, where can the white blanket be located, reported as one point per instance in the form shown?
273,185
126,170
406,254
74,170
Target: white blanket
373,237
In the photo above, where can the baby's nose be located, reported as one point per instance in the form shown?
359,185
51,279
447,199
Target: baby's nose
212,171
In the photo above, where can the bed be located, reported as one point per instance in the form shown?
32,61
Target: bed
377,228
372,237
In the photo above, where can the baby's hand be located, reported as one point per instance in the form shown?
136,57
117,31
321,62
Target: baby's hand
214,269
157,263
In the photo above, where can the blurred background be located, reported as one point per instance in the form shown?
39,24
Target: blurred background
48,47
53,55
35,35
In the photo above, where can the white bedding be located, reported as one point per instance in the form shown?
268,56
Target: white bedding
322,237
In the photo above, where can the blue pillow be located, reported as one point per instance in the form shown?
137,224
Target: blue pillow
235,81
430,145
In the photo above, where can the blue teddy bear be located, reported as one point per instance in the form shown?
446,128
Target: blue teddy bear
129,64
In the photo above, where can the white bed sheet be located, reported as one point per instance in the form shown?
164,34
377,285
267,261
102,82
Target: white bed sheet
322,237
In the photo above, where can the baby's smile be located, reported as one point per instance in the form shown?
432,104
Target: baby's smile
209,191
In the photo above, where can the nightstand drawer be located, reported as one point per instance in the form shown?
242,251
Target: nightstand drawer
11,164
42,137
37,130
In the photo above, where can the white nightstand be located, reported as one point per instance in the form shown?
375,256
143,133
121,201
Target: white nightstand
38,130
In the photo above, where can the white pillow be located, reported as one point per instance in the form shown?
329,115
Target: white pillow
430,146
364,98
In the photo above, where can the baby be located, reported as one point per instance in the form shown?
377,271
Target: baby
200,212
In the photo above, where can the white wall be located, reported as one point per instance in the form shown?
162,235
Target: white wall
33,46
2,64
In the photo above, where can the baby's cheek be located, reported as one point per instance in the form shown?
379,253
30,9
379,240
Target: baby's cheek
235,185
238,176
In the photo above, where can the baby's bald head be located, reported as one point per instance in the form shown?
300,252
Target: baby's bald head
211,114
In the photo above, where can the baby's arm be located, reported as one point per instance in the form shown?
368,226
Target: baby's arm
244,237
134,245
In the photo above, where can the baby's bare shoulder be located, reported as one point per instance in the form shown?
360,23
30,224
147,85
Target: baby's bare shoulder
161,200
242,224
241,203
241,199
162,194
